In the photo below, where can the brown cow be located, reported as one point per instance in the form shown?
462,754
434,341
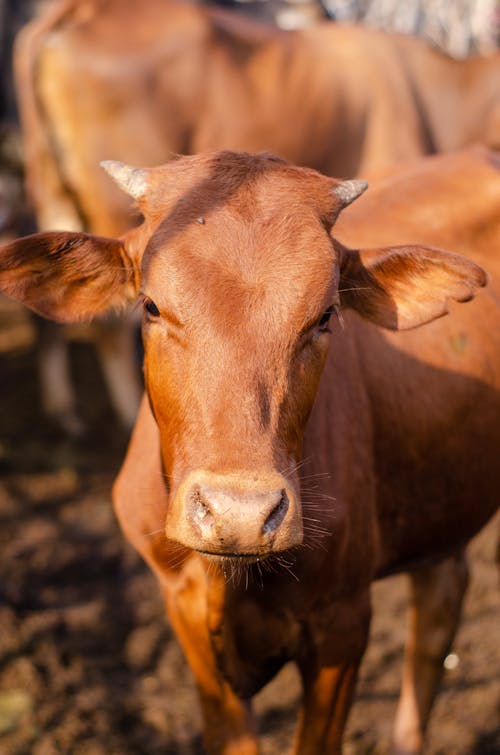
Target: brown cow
158,77
287,453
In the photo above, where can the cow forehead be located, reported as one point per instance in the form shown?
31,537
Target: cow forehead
244,259
240,228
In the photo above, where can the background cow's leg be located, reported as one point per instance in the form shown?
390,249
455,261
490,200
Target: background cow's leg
57,395
116,346
228,723
436,599
329,685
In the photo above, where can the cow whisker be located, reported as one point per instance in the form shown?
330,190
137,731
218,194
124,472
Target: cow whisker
154,532
295,467
318,532
176,563
268,564
311,519
313,544
312,506
315,475
260,581
318,495
287,564
354,288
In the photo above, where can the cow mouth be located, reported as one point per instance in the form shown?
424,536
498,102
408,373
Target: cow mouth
239,558
247,569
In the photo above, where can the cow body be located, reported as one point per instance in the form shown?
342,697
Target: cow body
272,476
399,470
449,370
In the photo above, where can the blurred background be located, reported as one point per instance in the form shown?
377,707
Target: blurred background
88,663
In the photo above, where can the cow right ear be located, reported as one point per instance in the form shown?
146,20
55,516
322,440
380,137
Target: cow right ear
402,287
67,276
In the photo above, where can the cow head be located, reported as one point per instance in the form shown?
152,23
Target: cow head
239,277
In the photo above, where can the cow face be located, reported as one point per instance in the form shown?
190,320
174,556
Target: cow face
239,277
239,283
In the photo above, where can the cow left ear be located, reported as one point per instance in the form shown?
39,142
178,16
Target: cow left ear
406,286
67,276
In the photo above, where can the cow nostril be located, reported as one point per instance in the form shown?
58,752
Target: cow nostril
277,515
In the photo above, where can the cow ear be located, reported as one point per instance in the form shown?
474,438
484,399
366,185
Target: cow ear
406,286
67,276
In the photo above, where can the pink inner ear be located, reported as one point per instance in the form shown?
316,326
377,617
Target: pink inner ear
403,287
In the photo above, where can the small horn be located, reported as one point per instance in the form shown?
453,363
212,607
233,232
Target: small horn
133,181
348,191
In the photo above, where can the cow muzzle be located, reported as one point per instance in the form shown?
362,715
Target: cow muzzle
235,515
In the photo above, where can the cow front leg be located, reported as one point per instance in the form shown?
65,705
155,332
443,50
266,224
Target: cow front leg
329,674
435,602
228,722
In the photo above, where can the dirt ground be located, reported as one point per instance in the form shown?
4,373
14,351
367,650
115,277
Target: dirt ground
88,662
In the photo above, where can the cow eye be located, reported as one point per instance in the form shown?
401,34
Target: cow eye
325,318
151,307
